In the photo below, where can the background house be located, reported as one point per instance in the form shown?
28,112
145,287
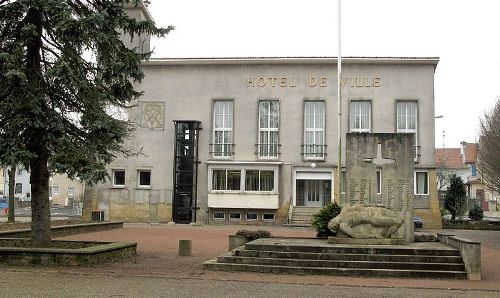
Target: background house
462,162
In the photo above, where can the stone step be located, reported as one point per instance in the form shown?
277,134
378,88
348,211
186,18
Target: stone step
351,249
348,257
214,265
342,264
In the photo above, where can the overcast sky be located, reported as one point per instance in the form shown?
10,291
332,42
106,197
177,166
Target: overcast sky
465,35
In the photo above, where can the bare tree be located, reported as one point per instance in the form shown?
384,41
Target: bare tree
489,147
443,174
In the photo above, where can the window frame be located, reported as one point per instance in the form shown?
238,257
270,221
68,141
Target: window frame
227,148
264,215
15,188
217,218
314,130
238,218
73,193
415,184
251,219
113,175
55,186
378,180
271,154
357,104
144,186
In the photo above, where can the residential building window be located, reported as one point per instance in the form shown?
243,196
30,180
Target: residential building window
144,178
19,171
257,180
118,177
268,216
223,129
406,115
219,216
268,145
71,190
55,189
19,188
234,216
379,182
251,216
360,116
421,183
314,130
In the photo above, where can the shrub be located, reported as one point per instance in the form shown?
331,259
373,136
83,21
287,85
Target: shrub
476,213
321,219
252,235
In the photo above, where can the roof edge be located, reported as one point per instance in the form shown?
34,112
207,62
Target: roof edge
292,60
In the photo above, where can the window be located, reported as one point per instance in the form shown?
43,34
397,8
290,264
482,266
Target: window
251,216
252,179
257,180
314,129
268,217
379,182
407,117
234,216
421,183
360,116
71,190
19,171
144,178
342,181
268,128
219,216
226,180
19,188
223,129
55,189
118,177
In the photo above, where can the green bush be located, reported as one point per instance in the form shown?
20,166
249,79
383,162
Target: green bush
321,219
252,235
476,213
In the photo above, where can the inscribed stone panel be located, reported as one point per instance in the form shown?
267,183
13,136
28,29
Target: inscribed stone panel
152,114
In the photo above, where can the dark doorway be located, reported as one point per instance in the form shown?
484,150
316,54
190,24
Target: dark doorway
185,171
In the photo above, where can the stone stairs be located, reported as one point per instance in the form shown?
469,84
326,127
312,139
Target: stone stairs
302,216
313,256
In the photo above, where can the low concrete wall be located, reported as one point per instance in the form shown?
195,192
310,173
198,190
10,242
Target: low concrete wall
16,252
67,230
470,225
470,252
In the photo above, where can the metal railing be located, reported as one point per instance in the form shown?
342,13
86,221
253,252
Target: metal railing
313,151
268,150
221,150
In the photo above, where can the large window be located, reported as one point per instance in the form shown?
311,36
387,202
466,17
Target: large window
360,116
243,180
257,180
314,129
19,188
268,145
421,183
223,129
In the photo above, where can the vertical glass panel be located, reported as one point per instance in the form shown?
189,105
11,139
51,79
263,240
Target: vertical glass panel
274,114
379,182
219,180
252,180
233,179
266,180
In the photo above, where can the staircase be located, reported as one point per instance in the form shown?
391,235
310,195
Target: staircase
316,256
302,216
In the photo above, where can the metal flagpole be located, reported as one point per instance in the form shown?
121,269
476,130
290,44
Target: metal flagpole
339,113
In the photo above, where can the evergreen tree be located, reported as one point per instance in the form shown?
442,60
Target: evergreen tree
63,68
455,197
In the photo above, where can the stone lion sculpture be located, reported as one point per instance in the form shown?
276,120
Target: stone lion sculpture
365,222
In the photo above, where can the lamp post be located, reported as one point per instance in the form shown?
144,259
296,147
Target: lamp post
339,112
440,117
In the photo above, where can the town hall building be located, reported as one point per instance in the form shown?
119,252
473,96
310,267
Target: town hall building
249,140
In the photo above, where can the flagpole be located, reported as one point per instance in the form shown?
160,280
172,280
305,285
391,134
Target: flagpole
339,113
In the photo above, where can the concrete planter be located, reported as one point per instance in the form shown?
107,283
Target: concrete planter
237,241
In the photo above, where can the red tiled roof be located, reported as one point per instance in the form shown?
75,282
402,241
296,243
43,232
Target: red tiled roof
450,156
470,152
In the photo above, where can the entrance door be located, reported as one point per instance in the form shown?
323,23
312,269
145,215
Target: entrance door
313,193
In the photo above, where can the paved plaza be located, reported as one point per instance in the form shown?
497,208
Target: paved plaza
160,272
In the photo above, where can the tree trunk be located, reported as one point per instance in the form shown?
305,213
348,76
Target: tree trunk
39,178
40,204
12,185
